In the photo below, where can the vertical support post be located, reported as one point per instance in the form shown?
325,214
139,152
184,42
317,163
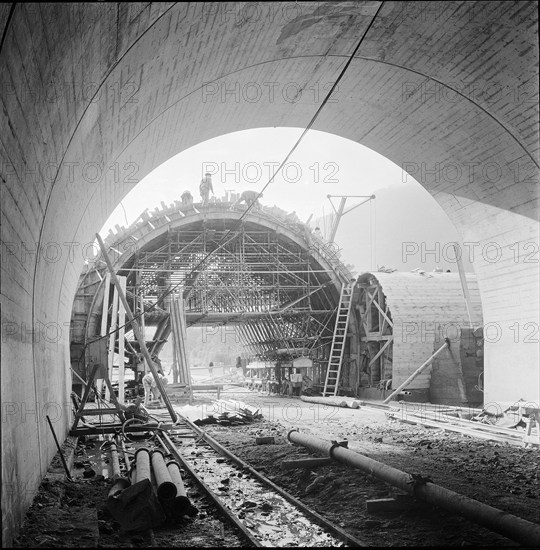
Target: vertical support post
105,312
136,331
104,317
112,341
121,350
143,328
338,215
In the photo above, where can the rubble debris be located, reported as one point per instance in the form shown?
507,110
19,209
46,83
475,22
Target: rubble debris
231,413
265,440
137,508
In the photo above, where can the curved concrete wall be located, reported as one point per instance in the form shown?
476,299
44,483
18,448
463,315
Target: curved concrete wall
94,96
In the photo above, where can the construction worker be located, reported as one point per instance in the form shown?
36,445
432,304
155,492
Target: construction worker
187,198
250,198
205,187
150,386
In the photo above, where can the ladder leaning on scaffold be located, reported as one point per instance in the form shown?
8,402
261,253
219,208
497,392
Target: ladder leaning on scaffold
338,342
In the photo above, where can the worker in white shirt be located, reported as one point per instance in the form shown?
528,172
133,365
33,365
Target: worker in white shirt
150,386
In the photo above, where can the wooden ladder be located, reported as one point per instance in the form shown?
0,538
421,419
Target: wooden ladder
338,342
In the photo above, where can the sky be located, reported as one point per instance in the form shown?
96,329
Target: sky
323,164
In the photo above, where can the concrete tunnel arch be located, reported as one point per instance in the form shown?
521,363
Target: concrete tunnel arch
96,95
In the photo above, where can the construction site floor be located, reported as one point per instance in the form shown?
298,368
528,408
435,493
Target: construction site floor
503,476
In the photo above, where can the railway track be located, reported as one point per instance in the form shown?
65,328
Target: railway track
263,513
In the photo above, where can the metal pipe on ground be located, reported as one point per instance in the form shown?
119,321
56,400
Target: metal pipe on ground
342,402
181,503
142,465
166,489
508,525
125,455
120,482
115,462
167,443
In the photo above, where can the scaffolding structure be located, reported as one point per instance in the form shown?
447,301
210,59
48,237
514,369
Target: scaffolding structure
266,285
264,273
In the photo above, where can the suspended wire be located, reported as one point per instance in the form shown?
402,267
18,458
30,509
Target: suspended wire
221,243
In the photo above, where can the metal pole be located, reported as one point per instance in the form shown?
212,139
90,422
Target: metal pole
68,475
136,331
417,371
121,348
338,214
508,525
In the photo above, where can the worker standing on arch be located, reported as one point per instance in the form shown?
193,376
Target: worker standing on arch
205,187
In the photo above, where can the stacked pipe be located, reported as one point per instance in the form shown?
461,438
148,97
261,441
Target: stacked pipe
181,504
142,469
170,487
120,483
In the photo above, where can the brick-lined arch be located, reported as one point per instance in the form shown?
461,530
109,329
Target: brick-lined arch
94,96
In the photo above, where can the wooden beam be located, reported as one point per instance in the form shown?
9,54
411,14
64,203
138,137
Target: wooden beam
112,340
376,337
121,348
105,311
418,371
104,318
384,315
143,329
136,331
381,351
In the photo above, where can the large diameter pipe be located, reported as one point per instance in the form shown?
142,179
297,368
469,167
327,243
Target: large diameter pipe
166,489
331,401
126,458
181,503
115,462
508,525
418,371
142,461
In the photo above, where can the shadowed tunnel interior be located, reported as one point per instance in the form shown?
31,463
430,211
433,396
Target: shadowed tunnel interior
95,96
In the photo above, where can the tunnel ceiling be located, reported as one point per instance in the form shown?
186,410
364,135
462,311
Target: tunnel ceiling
97,95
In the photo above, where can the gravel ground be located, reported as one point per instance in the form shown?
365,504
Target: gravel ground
506,477
503,476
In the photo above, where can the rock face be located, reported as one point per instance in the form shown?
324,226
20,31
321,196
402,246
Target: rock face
87,112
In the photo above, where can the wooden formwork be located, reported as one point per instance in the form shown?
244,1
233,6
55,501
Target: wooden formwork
403,318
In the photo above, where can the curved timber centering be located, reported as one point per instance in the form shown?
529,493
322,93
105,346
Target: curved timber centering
268,275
